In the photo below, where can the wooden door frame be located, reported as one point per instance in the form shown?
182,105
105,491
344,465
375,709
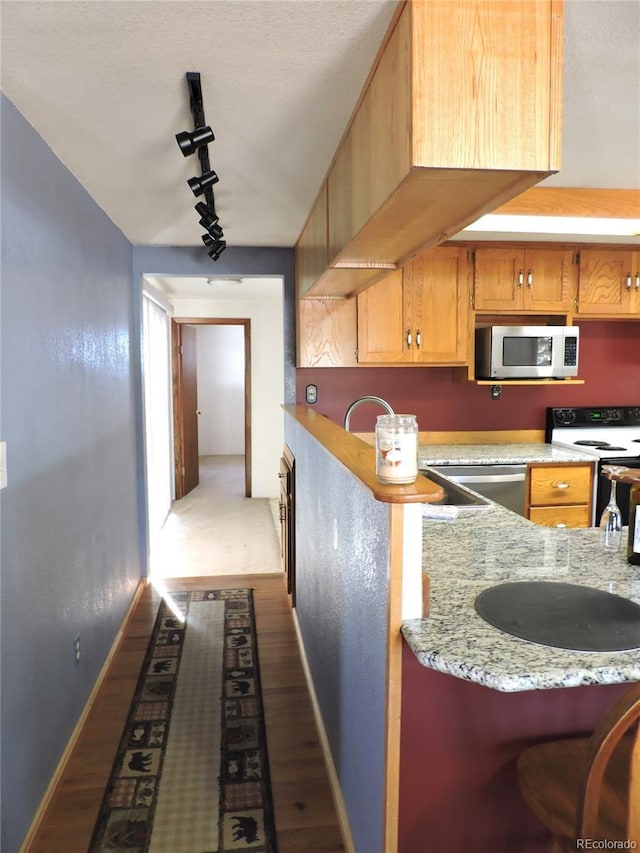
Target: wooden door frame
178,421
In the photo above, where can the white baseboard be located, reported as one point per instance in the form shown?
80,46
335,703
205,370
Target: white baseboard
334,781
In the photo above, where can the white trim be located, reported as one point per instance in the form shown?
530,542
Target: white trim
412,562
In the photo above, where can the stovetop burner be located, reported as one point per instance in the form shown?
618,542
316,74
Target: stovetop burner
584,442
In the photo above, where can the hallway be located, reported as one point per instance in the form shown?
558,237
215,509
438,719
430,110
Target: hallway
235,539
215,529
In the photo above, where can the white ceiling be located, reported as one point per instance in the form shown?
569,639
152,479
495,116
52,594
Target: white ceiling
103,82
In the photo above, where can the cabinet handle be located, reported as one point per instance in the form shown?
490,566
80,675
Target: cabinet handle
418,339
629,281
638,281
409,338
529,278
560,524
520,278
561,485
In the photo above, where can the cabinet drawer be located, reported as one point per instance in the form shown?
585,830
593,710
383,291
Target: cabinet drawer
560,516
560,484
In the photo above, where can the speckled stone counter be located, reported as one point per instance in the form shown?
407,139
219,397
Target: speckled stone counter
482,548
507,454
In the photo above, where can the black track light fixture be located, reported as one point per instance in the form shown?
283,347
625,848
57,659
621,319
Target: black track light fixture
217,249
215,230
194,141
208,217
201,184
190,141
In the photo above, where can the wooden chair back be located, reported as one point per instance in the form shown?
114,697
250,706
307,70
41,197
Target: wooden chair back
618,722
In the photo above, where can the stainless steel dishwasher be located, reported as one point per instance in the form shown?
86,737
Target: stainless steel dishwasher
504,484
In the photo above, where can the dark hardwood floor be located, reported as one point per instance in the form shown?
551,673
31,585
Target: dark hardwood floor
306,820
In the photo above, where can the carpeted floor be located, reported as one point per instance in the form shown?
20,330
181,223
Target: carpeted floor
215,529
191,774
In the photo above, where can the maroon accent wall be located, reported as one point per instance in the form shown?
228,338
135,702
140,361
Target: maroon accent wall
458,751
609,364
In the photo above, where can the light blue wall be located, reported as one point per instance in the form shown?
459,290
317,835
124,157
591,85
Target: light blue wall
69,518
342,555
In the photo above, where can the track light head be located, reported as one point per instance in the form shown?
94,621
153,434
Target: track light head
208,240
201,184
209,216
190,141
218,248
215,230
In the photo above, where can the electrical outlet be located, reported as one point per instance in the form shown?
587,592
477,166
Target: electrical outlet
76,648
311,394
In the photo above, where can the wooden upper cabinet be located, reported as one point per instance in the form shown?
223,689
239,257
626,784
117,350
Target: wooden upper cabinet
311,249
609,283
419,315
461,114
519,279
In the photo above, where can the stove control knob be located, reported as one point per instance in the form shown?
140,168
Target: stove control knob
635,414
564,417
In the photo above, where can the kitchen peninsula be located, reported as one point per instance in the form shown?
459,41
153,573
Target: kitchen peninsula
423,732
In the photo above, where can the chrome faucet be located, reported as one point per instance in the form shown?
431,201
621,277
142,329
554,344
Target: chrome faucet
359,402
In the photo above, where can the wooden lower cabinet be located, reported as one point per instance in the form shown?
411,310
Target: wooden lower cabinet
560,495
419,314
287,522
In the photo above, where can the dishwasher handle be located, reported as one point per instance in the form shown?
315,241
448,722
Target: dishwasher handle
489,478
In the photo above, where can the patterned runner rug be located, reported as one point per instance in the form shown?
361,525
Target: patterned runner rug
191,774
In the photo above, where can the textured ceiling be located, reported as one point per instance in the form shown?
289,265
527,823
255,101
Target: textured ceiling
103,82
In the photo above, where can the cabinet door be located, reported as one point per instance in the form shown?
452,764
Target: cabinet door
549,279
382,329
311,248
607,282
437,306
499,279
326,333
375,154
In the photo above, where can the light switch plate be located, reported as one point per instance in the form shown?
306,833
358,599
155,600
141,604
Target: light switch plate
312,394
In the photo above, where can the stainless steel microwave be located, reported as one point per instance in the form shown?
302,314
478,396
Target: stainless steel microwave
526,352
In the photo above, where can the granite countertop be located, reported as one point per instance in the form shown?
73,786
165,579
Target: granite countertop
482,548
507,454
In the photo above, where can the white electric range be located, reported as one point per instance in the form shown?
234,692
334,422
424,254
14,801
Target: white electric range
609,433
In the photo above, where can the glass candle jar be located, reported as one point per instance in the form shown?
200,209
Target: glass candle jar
396,448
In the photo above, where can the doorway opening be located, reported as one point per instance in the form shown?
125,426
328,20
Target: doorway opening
186,412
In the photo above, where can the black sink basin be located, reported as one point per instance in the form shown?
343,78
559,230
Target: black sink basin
454,493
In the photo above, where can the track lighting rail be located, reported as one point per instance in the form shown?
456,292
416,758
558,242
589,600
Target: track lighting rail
194,141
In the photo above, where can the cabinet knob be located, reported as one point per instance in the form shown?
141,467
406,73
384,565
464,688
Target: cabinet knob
560,524
561,485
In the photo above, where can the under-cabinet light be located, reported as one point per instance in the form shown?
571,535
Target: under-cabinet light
556,225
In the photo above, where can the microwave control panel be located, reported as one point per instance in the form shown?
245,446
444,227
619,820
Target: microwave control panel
570,351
